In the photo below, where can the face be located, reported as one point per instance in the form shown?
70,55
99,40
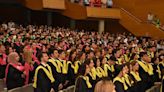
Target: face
98,63
91,65
10,50
87,69
45,57
136,67
17,58
56,54
83,56
125,70
2,49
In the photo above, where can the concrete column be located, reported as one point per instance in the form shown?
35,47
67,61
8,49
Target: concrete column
72,24
101,26
28,16
49,18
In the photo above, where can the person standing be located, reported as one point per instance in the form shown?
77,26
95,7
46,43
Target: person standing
43,77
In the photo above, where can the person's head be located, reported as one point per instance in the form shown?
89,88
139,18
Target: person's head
62,54
13,57
134,56
2,49
155,60
105,85
90,63
145,57
55,53
97,62
43,57
84,69
121,70
135,66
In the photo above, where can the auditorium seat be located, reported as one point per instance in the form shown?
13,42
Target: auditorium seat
28,88
71,89
2,85
19,89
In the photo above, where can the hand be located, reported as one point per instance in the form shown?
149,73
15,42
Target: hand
52,90
23,75
66,82
60,86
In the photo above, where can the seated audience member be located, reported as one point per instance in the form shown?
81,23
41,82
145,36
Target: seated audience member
150,17
109,3
104,85
15,75
86,2
82,83
43,78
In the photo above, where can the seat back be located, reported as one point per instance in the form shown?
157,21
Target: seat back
71,89
2,85
28,88
18,89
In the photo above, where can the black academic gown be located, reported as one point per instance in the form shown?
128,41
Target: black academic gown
81,86
146,79
2,71
137,86
56,76
14,78
119,86
43,82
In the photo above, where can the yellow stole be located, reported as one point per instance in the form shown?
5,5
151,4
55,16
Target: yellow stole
86,78
47,72
158,69
146,67
127,59
100,72
76,66
136,75
126,79
65,66
60,65
93,73
119,61
106,68
122,81
58,69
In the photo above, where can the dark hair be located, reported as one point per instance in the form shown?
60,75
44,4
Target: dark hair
132,56
41,55
142,54
82,69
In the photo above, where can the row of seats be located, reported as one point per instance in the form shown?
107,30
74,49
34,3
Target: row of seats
28,88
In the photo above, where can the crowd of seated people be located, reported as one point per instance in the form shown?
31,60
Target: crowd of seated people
55,58
95,3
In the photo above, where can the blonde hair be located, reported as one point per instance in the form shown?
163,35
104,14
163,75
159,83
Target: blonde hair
27,53
104,86
11,57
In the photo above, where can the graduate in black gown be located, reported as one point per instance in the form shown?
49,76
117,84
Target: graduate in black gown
15,76
56,71
43,78
136,79
82,83
146,71
118,81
